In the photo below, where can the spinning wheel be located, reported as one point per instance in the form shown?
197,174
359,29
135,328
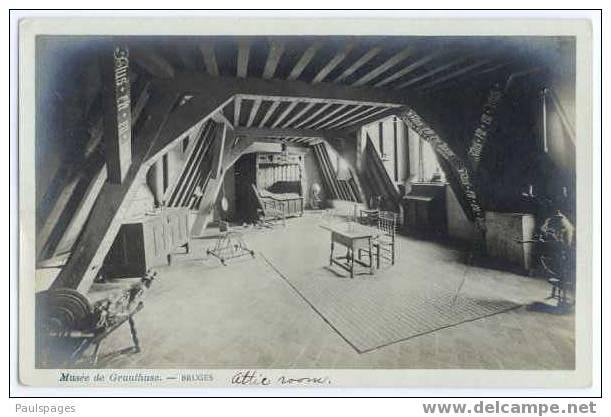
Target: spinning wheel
68,324
62,311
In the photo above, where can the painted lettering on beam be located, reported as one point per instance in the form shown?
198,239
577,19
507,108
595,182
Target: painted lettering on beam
482,132
122,94
117,117
415,122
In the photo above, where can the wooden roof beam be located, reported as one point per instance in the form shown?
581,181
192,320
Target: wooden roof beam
253,112
388,64
112,203
276,49
368,56
328,115
339,117
207,50
299,114
416,64
363,113
454,74
334,62
285,113
243,55
194,83
237,104
153,63
430,73
212,94
373,117
258,132
219,117
314,115
304,61
272,108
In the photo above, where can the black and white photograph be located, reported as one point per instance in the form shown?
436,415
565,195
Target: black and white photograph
280,204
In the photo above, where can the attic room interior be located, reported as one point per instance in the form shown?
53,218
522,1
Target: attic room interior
305,202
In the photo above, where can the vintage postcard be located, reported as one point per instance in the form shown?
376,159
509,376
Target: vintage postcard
292,202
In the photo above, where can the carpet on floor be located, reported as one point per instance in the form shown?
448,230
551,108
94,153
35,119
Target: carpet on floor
370,312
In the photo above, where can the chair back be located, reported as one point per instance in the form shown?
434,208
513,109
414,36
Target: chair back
387,223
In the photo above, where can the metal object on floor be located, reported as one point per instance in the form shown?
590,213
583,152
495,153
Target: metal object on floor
229,245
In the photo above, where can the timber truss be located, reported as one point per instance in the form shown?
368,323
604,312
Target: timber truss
268,92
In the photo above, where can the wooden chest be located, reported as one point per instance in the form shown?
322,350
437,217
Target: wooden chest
147,242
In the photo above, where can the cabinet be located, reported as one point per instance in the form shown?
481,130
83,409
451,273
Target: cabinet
505,233
146,242
424,209
277,176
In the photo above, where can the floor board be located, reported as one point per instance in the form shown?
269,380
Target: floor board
199,314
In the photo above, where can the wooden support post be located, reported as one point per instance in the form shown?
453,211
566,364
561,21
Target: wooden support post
229,156
117,112
113,201
217,162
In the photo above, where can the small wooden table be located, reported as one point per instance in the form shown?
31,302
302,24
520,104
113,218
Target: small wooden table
353,236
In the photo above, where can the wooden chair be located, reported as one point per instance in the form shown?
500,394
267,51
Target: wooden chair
384,245
369,215
270,210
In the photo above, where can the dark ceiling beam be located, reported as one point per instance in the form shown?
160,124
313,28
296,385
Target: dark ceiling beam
374,117
493,68
258,132
219,117
107,213
328,115
252,88
299,114
388,64
276,49
361,114
314,115
406,70
368,56
334,62
430,73
237,104
253,112
473,74
285,113
339,117
207,50
212,94
243,55
452,75
315,100
304,60
202,107
153,63
270,110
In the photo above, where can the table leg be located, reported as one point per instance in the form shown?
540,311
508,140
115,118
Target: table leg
351,263
331,257
370,258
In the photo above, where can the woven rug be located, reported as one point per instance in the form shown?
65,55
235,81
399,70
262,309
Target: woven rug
370,312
